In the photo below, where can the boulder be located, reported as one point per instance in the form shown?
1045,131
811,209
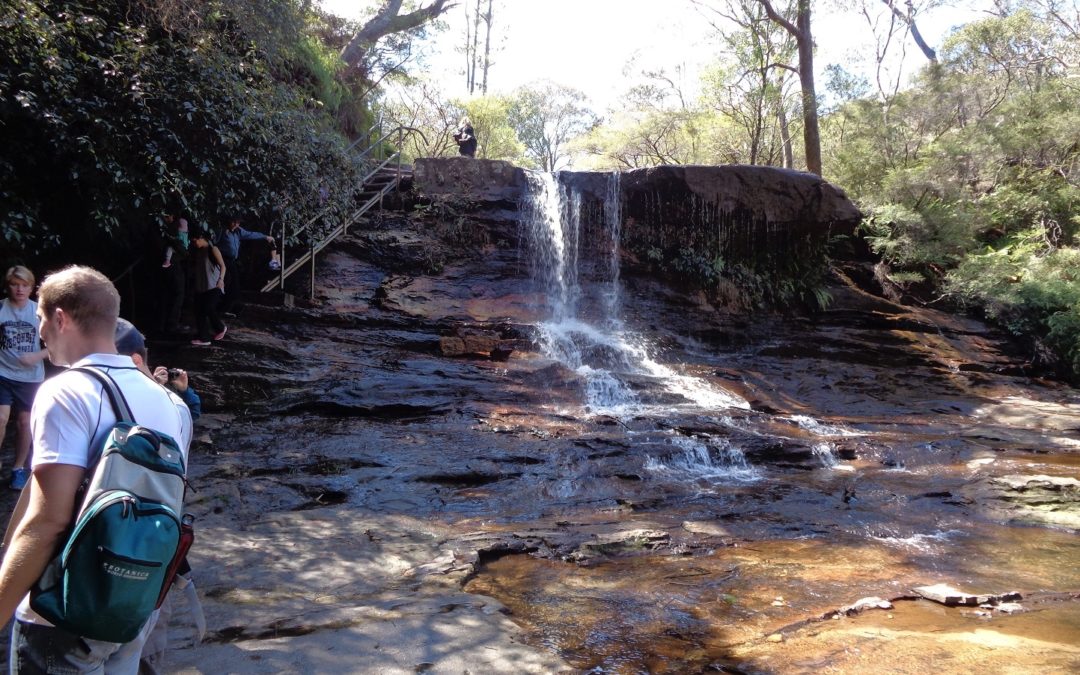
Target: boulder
1030,499
701,223
702,195
749,235
468,179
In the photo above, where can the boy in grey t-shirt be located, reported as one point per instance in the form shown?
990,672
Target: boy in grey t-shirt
21,364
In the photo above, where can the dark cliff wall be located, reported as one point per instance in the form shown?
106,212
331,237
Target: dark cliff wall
748,235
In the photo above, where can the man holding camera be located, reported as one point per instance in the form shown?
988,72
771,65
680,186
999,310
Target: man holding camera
130,342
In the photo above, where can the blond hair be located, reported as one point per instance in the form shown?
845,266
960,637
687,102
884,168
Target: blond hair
86,295
19,272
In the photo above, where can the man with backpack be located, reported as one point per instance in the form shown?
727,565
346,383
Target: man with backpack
72,416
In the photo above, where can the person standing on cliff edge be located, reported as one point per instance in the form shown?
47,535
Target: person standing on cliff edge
466,138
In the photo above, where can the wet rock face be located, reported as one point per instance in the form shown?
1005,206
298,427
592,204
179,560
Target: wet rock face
1031,499
694,194
470,179
748,234
364,457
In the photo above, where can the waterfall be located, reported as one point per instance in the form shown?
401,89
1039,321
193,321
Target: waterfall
585,333
826,454
613,220
706,457
547,242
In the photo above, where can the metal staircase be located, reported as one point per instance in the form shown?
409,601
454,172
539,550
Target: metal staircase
382,175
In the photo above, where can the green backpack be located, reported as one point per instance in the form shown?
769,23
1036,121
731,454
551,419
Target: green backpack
119,557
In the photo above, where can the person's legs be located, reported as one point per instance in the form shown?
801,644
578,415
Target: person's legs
24,401
213,301
22,440
202,317
5,414
40,649
174,298
7,399
43,649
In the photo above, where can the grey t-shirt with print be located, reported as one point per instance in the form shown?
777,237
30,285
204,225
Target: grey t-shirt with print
19,335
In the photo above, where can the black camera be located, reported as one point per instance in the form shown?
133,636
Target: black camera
174,373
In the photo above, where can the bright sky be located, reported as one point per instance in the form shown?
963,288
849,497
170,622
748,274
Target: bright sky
588,44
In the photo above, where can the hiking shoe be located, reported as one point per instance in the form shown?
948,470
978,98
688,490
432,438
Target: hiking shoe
19,477
275,265
201,343
224,329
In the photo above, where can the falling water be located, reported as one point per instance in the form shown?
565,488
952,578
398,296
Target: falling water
706,457
609,358
821,429
826,454
613,220
548,242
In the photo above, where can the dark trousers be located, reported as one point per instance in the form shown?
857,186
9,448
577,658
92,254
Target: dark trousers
40,650
206,313
171,298
232,285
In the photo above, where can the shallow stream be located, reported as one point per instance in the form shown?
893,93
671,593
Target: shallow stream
642,483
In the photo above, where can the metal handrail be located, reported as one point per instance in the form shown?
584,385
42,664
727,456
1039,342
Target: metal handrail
316,247
128,270
367,134
131,282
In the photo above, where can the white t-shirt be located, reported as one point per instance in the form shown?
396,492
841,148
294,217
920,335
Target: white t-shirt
72,414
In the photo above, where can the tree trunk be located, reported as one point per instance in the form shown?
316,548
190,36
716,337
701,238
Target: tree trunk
804,40
470,58
474,61
386,22
811,134
909,20
487,48
785,130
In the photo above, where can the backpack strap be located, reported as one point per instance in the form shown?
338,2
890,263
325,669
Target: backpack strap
119,405
116,397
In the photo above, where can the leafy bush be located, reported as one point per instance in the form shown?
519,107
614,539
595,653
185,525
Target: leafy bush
110,124
972,176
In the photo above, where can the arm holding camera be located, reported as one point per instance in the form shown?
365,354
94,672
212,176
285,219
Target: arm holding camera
177,380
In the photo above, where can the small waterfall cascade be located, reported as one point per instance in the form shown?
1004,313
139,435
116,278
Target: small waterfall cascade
584,329
552,244
826,454
706,456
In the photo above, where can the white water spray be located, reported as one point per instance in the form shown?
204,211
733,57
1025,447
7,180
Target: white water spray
826,454
706,457
610,359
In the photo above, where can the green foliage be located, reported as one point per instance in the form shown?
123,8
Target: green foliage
109,124
644,138
937,234
546,117
496,138
1023,283
1064,336
318,67
971,176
